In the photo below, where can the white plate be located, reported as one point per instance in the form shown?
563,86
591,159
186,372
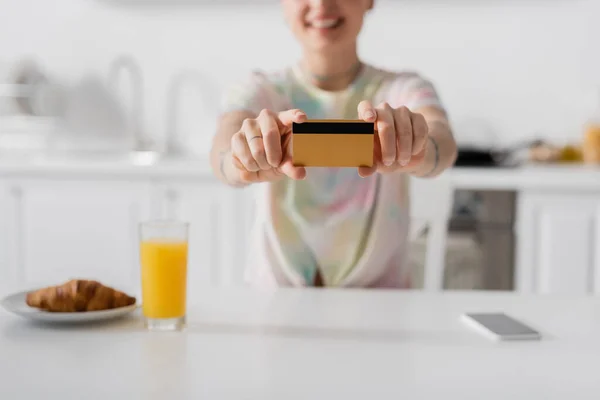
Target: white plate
16,303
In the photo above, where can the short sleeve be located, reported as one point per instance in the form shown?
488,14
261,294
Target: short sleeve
253,93
413,91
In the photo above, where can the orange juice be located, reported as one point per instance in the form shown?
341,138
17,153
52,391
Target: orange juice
591,144
164,278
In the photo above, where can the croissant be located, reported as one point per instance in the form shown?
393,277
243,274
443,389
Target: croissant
78,295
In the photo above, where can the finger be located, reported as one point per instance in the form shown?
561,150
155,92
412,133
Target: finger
387,133
287,167
260,176
254,139
271,137
420,133
249,176
237,163
404,129
397,146
270,175
286,118
241,150
365,172
368,171
366,111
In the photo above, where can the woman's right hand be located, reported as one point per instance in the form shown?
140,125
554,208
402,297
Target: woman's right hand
260,149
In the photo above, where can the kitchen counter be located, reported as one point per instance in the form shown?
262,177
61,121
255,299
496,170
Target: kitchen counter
561,177
140,165
567,177
301,344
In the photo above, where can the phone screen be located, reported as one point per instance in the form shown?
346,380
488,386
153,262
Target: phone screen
502,325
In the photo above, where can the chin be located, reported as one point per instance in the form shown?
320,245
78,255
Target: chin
318,41
332,46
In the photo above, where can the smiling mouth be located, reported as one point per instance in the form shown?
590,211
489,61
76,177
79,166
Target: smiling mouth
325,24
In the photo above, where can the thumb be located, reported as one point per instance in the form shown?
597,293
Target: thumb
366,111
286,118
287,166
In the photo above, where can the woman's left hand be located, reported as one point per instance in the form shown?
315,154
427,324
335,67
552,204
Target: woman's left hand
400,139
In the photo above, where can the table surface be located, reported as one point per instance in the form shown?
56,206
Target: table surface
311,344
529,176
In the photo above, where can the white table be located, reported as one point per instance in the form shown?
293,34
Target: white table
313,344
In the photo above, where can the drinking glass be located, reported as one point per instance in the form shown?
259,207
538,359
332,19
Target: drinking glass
163,259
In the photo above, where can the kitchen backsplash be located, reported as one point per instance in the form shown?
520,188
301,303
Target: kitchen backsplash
513,69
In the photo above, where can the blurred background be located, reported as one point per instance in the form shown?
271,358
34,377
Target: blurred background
522,69
109,76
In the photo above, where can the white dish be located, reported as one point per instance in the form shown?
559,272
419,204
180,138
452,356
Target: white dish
16,303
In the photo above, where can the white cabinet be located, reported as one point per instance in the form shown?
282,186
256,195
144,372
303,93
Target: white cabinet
54,229
559,243
60,229
6,274
9,250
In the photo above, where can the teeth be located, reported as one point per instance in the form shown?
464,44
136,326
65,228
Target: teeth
325,23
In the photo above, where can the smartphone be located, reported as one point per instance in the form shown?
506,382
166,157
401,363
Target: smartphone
499,326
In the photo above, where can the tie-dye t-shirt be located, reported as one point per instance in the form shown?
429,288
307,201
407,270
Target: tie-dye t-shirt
352,230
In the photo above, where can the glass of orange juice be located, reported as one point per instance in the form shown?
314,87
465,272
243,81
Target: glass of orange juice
163,259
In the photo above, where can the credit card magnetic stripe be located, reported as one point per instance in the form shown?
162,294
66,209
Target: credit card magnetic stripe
360,128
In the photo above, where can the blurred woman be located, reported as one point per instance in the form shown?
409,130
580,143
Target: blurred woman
338,227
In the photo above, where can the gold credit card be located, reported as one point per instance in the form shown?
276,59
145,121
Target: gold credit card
333,143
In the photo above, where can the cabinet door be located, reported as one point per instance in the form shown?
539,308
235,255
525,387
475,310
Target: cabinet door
63,229
245,207
215,257
7,277
559,243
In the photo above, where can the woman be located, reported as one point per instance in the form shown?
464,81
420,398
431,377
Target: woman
330,226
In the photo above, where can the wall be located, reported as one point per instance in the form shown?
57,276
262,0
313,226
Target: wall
506,67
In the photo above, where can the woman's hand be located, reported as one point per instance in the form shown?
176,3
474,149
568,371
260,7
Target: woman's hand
400,140
260,149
